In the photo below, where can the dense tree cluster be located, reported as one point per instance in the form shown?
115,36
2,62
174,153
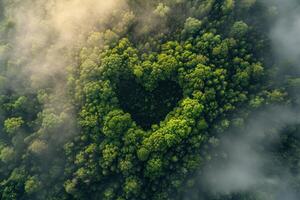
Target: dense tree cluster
148,94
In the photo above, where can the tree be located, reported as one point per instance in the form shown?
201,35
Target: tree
116,123
239,29
132,186
161,10
12,125
32,185
143,154
7,154
192,26
228,6
38,147
154,168
109,155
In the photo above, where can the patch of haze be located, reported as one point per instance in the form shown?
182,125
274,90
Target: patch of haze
46,35
46,31
244,164
286,29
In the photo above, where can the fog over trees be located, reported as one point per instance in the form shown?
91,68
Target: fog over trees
149,100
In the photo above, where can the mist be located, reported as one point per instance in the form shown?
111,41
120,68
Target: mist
244,158
47,36
47,31
285,32
44,39
243,154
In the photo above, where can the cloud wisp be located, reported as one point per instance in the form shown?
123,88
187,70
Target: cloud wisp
246,163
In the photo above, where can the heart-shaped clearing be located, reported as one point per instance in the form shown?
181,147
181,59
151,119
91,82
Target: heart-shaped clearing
148,108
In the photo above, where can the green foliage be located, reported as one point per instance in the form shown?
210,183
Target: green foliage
139,105
38,147
192,26
32,185
239,29
11,125
7,154
162,10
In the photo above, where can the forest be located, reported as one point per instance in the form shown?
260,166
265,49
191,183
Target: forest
149,100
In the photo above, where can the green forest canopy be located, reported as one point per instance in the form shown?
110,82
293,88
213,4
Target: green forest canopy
141,102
